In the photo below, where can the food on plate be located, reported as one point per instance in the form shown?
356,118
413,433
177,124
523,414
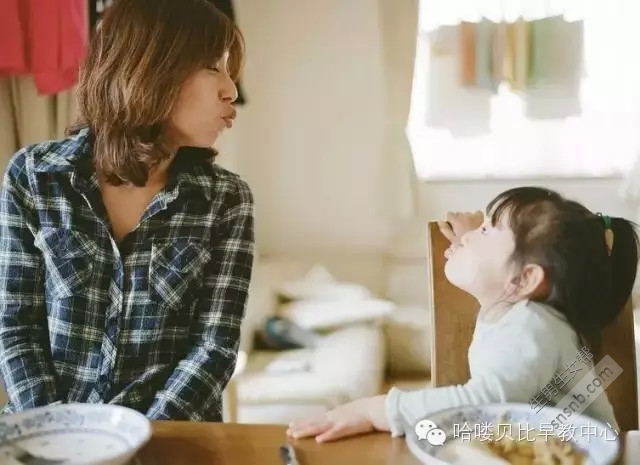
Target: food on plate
498,448
464,453
542,450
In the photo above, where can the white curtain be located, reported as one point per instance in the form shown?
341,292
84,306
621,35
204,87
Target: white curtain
630,90
630,193
399,25
27,117
630,190
437,13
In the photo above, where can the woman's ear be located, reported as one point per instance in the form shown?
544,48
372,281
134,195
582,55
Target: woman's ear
532,282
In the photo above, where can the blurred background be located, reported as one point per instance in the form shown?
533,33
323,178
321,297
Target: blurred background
360,121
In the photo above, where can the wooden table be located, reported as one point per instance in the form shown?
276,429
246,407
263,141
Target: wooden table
177,443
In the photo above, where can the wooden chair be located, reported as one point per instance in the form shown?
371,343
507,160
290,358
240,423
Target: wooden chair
453,321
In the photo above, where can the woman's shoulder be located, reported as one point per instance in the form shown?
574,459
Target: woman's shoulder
227,184
229,179
49,155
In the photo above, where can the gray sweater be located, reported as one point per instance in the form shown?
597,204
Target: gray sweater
529,355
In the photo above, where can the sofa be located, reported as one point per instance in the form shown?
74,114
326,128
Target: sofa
347,362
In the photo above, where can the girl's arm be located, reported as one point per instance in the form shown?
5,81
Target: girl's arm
510,365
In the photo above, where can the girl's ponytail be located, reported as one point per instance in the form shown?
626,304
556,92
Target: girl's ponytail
624,260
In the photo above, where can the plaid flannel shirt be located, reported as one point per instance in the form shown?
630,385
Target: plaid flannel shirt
152,323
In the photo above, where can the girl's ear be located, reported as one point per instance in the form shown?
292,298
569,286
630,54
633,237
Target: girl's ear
532,282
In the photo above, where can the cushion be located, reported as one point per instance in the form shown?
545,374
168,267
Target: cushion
346,365
319,284
289,361
327,314
260,385
267,275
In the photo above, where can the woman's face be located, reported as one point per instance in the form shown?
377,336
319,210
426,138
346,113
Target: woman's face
204,107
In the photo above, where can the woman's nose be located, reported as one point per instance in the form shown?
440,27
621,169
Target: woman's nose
229,93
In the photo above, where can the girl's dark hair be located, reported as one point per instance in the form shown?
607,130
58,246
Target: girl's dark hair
586,282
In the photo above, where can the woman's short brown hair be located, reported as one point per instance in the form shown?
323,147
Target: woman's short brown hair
139,57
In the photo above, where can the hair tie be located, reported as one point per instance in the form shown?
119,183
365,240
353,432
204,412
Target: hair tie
608,232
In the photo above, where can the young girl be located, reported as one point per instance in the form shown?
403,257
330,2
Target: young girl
549,275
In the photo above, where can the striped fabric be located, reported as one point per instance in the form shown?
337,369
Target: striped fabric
152,323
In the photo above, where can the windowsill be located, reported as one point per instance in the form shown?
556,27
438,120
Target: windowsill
510,178
493,161
500,159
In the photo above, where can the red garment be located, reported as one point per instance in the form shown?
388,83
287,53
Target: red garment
12,56
44,38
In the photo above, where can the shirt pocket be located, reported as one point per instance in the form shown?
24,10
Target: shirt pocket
176,272
68,259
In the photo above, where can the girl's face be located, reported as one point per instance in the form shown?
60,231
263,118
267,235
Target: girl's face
480,265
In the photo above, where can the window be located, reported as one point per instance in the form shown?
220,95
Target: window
491,134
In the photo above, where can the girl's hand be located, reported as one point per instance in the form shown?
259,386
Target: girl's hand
357,417
457,224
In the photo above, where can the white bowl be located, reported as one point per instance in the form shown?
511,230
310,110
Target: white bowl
601,449
88,434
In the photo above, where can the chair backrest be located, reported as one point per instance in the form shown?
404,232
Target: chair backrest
453,321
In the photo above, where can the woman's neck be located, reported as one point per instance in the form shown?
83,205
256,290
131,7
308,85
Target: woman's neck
159,175
157,178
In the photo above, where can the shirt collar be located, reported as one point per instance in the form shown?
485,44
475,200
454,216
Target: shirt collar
191,169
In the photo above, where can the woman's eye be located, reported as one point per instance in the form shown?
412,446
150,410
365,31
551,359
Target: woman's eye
214,68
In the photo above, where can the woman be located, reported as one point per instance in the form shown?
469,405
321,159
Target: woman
125,254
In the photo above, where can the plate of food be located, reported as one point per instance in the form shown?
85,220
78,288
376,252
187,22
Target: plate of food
511,434
89,434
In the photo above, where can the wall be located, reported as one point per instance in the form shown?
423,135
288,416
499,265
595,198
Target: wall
310,144
310,139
